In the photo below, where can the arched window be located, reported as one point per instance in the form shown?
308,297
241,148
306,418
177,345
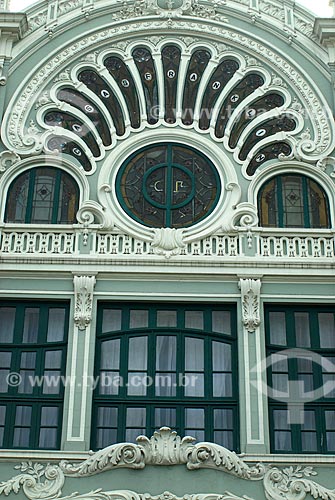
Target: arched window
44,195
293,201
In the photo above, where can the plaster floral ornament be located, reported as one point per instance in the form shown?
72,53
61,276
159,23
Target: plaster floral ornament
165,447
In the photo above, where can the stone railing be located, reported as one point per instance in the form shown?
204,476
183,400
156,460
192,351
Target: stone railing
72,242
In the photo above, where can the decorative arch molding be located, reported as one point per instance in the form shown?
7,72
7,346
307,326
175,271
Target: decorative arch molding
316,173
21,166
165,447
317,132
291,22
228,213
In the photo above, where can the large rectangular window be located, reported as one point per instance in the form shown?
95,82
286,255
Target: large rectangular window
32,361
169,366
301,378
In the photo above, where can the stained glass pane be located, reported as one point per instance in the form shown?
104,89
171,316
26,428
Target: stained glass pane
168,186
52,197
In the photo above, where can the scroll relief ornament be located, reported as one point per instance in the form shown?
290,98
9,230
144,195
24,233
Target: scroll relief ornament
165,447
250,291
83,291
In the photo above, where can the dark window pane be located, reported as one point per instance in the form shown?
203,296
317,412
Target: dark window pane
221,356
53,360
224,438
222,385
21,437
31,322
136,417
47,438
107,417
282,441
167,319
327,330
138,318
23,415
194,320
277,328
223,419
49,416
165,417
195,418
7,321
56,325
2,415
302,332
166,352
110,354
309,442
221,322
111,321
194,354
138,353
106,437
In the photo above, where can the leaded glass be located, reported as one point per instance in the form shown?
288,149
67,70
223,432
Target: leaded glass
102,90
121,74
242,89
147,71
265,130
65,145
171,60
219,79
86,106
293,201
254,110
197,65
44,196
74,125
168,186
268,152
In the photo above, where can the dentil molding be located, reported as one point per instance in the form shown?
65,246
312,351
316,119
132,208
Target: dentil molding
165,447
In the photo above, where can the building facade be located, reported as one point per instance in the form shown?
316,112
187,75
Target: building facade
167,251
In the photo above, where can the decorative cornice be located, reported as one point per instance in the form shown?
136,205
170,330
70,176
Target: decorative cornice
164,448
83,291
250,292
12,29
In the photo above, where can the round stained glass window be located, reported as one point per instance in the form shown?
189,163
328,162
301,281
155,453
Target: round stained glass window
168,185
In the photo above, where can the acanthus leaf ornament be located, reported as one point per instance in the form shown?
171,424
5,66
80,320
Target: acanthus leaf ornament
165,447
250,294
83,291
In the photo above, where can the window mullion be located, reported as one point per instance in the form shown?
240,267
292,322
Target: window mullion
30,198
55,207
280,201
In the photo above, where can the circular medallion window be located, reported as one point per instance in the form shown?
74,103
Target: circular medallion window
168,185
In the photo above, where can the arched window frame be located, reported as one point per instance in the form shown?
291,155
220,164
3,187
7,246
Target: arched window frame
47,161
294,168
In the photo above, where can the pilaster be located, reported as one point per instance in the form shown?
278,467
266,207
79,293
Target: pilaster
80,383
254,435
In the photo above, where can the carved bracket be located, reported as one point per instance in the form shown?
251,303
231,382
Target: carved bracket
250,292
83,292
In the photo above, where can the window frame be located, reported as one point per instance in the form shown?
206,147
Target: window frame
37,399
179,401
322,404
279,202
32,172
